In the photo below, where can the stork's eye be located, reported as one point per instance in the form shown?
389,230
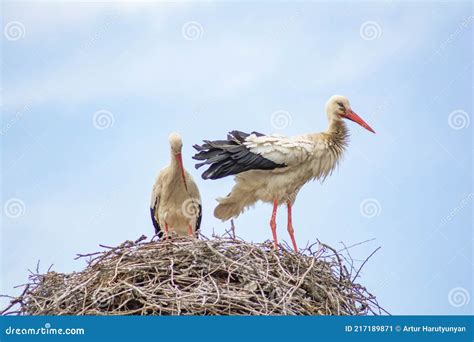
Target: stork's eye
340,104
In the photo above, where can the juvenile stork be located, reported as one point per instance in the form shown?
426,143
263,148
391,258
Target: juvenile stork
175,201
273,168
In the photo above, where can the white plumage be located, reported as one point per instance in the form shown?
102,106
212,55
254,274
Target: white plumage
175,201
280,149
272,168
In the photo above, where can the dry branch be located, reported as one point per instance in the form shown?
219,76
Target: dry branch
184,276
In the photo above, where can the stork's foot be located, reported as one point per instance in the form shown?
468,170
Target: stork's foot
166,235
292,236
291,231
275,239
190,231
273,224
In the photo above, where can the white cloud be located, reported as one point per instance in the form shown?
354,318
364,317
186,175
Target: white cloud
160,63
174,69
358,57
56,18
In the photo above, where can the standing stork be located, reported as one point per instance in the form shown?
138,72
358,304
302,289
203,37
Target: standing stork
175,201
273,168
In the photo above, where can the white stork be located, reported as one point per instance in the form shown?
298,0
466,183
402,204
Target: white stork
175,201
273,168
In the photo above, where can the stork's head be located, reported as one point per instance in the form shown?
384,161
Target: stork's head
338,108
176,145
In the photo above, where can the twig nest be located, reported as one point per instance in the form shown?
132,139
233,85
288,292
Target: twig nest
185,276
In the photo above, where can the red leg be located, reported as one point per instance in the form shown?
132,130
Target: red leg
190,230
273,224
166,231
290,227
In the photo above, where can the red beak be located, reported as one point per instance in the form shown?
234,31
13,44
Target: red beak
179,158
356,118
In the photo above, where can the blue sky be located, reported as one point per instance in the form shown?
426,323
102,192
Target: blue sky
203,69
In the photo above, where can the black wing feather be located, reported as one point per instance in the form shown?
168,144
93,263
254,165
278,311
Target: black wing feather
156,224
199,219
230,157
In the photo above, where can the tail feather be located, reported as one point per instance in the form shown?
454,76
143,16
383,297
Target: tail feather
234,204
230,157
225,212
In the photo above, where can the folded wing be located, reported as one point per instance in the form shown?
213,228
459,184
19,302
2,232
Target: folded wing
243,152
